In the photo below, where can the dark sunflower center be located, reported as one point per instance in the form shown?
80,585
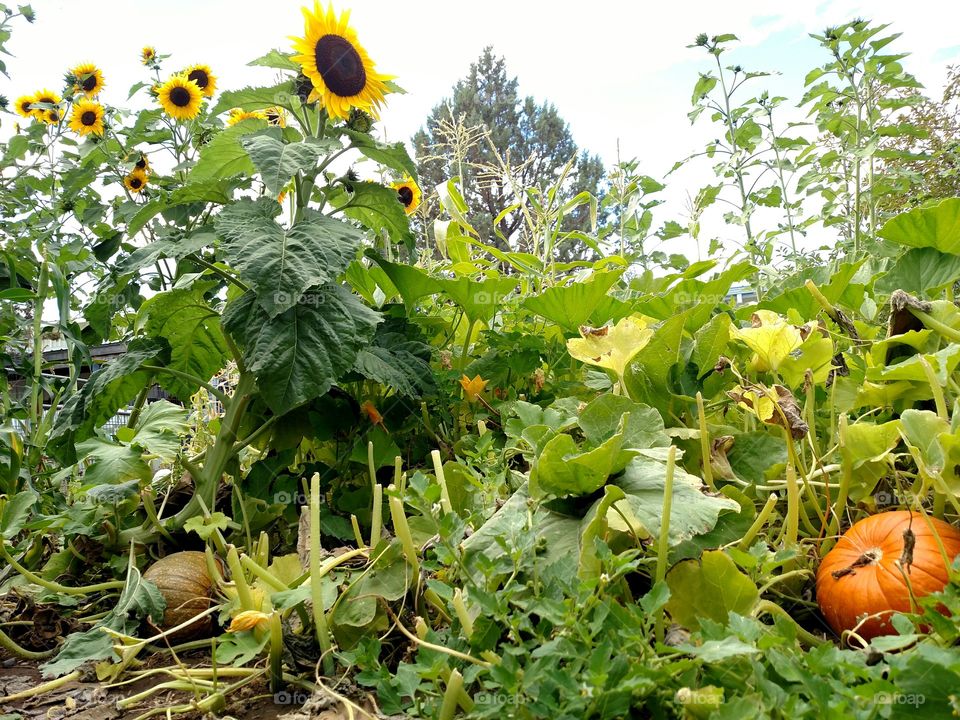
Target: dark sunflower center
199,77
141,163
25,105
406,196
88,118
135,183
89,82
180,97
340,66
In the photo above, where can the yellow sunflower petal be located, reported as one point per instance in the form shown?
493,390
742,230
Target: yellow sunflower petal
180,98
87,118
88,80
342,73
23,106
409,195
203,77
136,181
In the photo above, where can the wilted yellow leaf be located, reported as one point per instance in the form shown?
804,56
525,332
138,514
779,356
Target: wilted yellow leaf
772,339
611,347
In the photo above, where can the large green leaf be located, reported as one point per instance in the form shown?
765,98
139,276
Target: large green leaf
393,156
921,271
563,468
111,463
224,156
936,226
192,328
693,512
159,429
647,374
298,355
412,283
711,588
174,248
257,98
278,161
570,306
480,299
282,264
400,366
601,419
377,207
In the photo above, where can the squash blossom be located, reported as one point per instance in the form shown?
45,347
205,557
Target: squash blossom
473,387
248,620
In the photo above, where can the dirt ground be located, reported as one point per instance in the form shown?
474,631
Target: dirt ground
91,701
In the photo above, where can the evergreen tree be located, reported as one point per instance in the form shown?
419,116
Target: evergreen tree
531,136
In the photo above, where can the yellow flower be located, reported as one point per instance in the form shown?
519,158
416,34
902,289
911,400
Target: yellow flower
237,115
276,116
342,73
142,163
408,194
147,55
473,387
248,620
608,347
180,98
51,116
87,79
204,79
136,181
23,106
87,118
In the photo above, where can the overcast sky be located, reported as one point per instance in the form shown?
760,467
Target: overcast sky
615,70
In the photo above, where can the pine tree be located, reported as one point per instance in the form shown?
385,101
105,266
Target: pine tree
532,136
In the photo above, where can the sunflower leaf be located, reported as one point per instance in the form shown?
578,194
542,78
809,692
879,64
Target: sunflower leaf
278,161
298,354
224,155
283,263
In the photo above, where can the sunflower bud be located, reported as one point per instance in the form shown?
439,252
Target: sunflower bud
302,86
702,40
28,14
4,102
359,121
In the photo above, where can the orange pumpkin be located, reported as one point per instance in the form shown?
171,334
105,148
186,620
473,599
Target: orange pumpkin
185,584
860,575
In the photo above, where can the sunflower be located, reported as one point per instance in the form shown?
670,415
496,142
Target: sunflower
136,181
342,73
237,115
180,98
47,115
24,106
87,79
148,55
202,76
87,118
276,116
142,163
408,194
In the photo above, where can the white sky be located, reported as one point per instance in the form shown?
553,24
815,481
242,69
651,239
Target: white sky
615,70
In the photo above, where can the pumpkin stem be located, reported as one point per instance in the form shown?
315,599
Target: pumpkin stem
868,558
909,541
